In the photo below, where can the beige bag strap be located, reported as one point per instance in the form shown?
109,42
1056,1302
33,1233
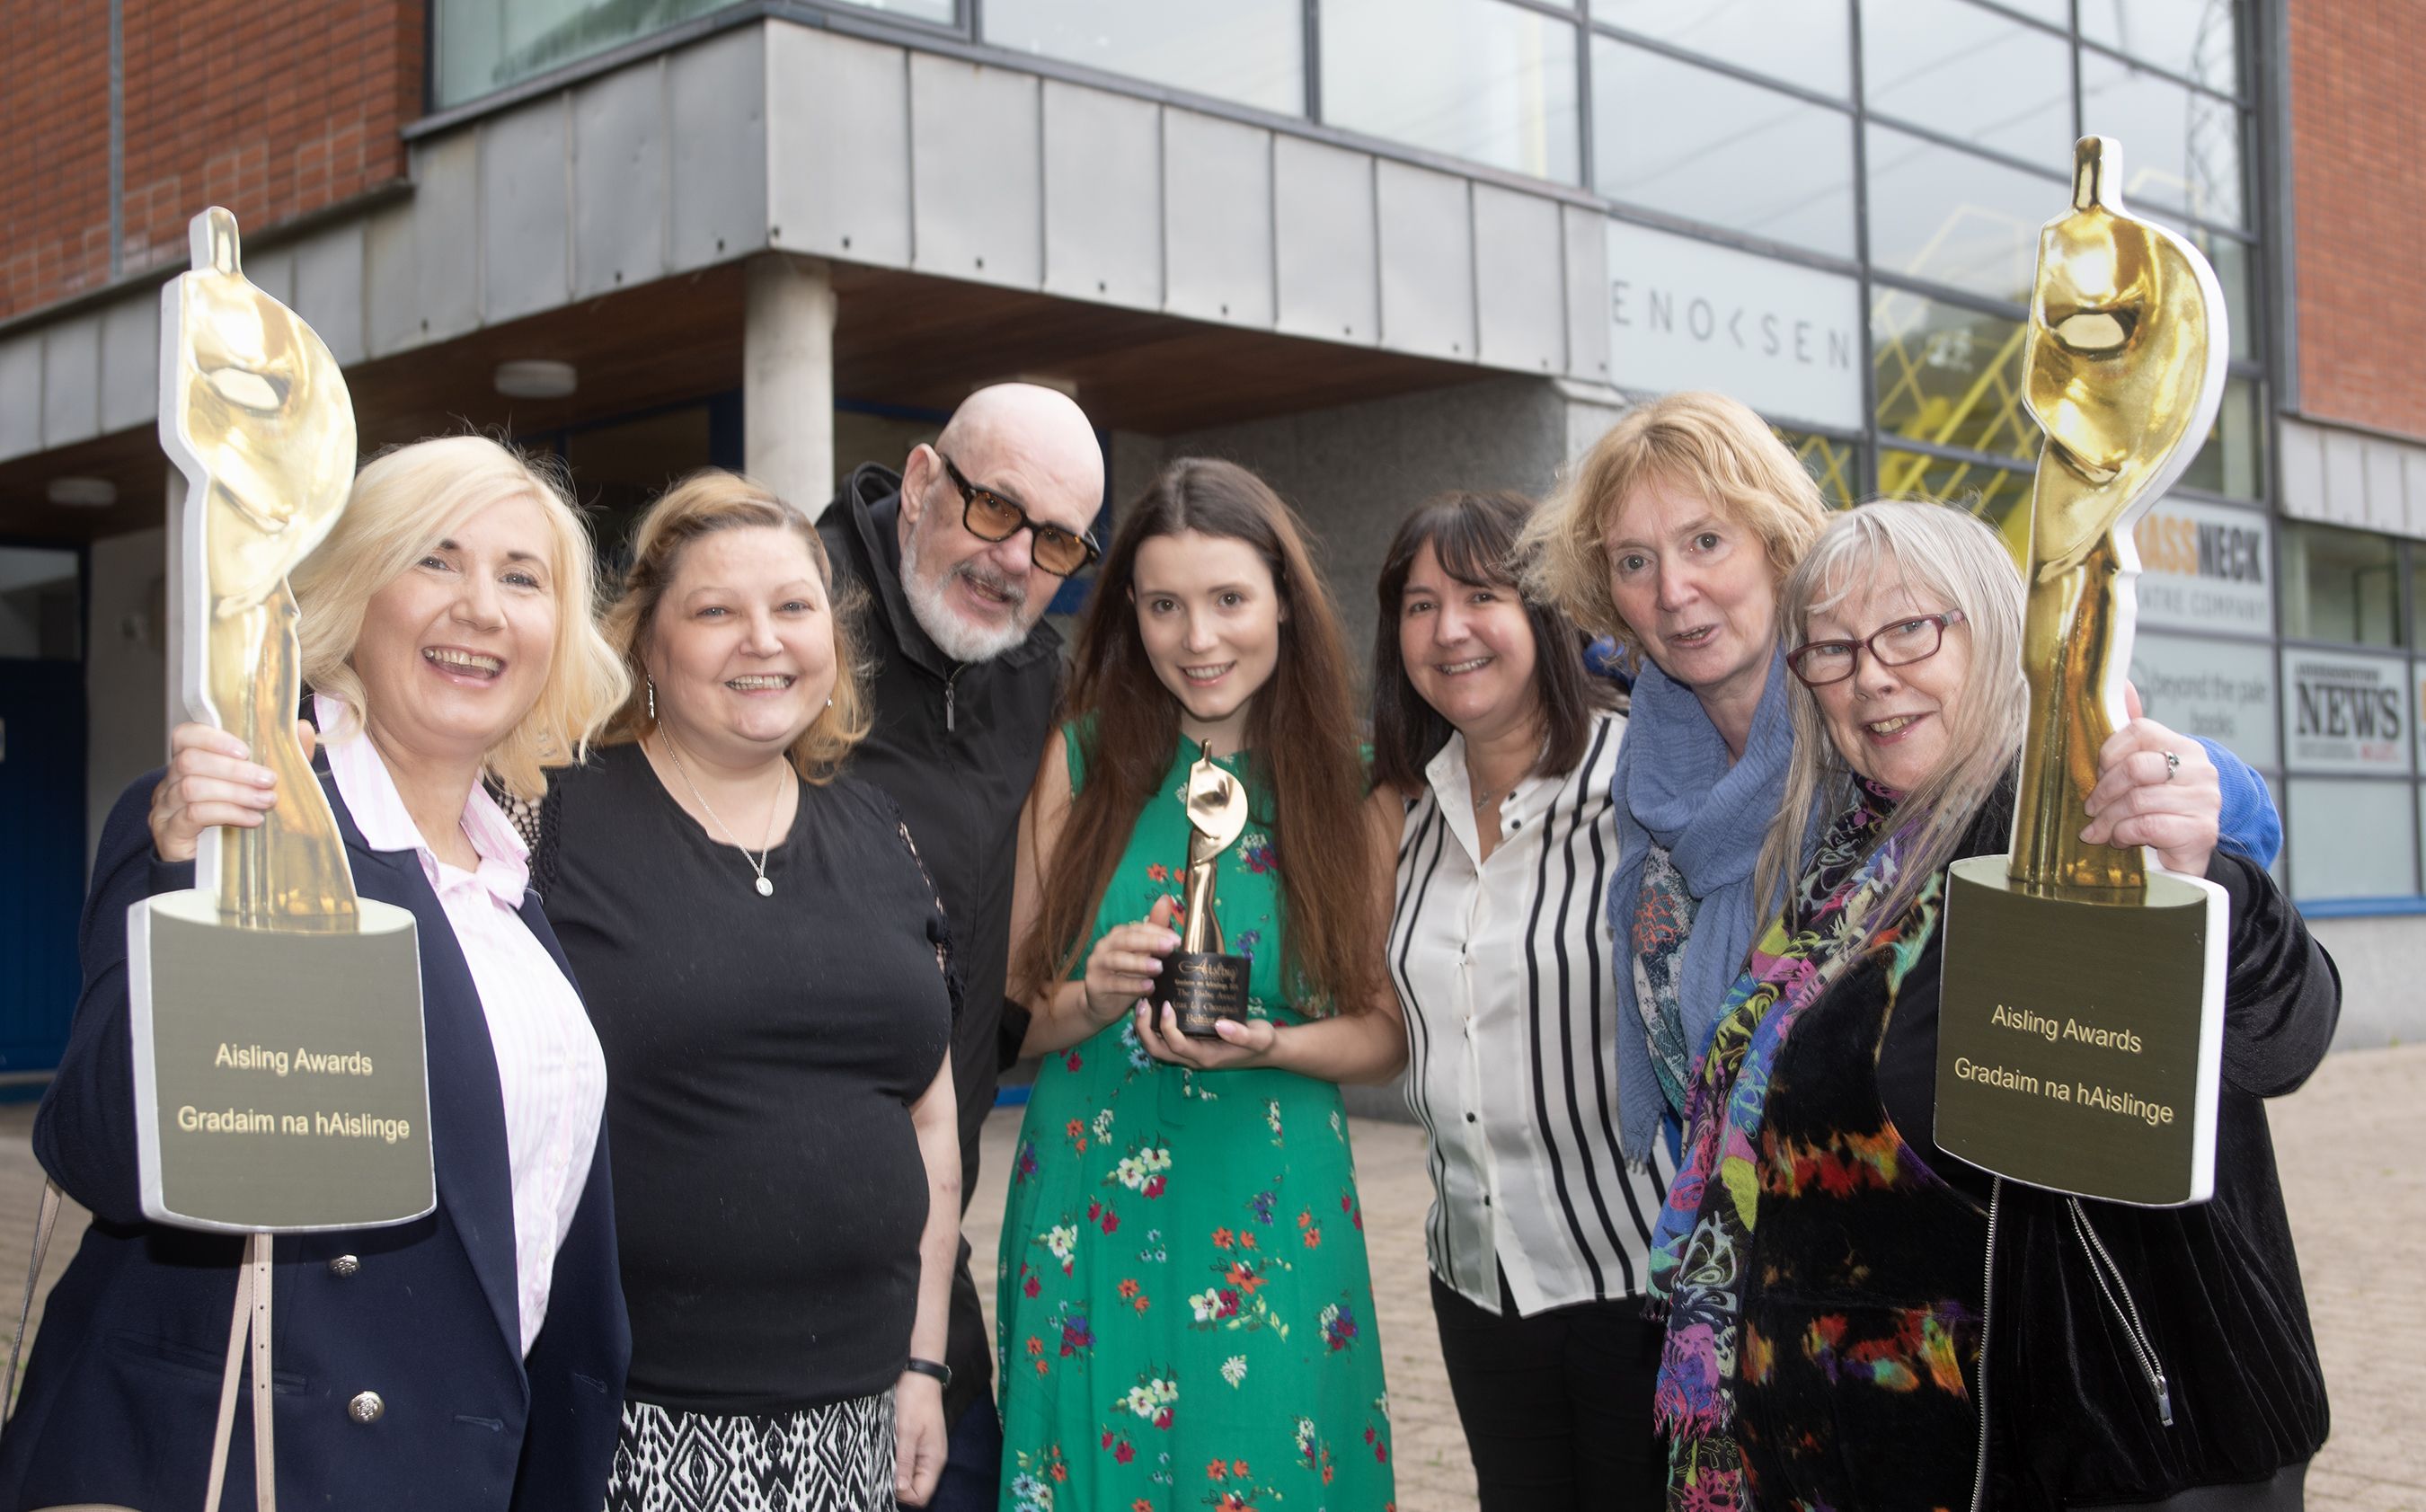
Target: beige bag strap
43,1223
252,1317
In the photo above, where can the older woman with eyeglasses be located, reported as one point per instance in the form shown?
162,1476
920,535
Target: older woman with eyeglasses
1830,1277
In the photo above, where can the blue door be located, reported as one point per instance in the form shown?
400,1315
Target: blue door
41,804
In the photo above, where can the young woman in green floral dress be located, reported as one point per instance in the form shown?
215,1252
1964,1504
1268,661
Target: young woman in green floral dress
1185,1318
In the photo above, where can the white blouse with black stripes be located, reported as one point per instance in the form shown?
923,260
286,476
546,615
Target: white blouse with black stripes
1504,968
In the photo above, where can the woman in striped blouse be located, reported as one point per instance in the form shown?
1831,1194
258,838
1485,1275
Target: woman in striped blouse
1493,758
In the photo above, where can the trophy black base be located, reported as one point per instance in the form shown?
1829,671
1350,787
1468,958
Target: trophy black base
1203,989
281,1080
2081,1043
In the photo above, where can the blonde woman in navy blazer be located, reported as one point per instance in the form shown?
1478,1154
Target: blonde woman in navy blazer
474,1358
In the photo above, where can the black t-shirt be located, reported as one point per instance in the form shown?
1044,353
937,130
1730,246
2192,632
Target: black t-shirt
762,1054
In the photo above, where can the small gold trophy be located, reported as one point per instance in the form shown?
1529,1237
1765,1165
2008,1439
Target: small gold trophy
279,1065
1206,985
2081,1032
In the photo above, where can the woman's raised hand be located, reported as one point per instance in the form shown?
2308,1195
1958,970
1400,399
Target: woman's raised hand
1127,960
210,781
2156,788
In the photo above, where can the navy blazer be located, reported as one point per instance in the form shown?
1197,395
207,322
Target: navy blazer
123,1385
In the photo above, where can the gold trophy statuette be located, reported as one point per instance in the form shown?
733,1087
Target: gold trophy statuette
1206,985
2081,1041
256,417
271,963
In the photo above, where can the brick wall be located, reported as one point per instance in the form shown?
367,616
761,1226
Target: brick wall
271,108
2358,180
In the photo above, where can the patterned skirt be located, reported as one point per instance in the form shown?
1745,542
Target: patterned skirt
835,1459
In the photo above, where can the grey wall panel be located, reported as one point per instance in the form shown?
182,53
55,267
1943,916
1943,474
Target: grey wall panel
1327,283
273,273
392,283
2302,456
1103,197
21,395
72,381
329,288
2385,508
977,172
1217,224
620,196
1520,293
2346,478
527,210
2413,467
1587,272
839,145
130,360
715,109
1426,246
445,213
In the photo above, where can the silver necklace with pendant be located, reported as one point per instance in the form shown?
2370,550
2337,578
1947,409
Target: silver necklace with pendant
757,863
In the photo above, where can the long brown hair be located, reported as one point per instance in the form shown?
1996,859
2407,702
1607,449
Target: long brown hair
1474,535
1301,743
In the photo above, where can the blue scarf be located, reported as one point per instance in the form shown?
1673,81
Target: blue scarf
1675,789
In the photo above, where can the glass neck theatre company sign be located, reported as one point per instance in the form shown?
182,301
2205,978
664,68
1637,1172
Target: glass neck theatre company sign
2204,566
1689,314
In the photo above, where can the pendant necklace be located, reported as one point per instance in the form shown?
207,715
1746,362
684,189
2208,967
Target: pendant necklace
757,863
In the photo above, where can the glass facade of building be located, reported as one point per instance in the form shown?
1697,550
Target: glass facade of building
1900,155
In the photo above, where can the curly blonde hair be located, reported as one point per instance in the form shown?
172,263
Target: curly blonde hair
702,505
404,502
1707,443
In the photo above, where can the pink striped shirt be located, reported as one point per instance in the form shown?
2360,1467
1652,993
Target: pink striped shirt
549,1066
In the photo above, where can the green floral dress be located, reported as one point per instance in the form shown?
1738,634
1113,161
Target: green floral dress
1185,1314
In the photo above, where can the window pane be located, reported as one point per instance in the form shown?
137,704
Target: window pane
485,45
2350,839
1995,494
40,617
1951,375
1835,465
1471,78
2231,258
1951,217
2231,461
1671,136
2338,584
2182,149
1808,42
1249,51
1970,73
2222,689
2192,37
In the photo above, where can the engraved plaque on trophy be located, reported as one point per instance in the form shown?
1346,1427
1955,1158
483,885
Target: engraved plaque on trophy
2081,1032
280,1067
1204,984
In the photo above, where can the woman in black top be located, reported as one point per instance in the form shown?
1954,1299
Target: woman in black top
768,972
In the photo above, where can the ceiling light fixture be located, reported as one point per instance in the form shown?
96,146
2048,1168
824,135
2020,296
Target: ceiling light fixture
537,377
82,492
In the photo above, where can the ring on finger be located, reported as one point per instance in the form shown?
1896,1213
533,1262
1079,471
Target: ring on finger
2173,764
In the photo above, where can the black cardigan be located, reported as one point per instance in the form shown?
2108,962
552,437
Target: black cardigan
1863,1308
2073,1417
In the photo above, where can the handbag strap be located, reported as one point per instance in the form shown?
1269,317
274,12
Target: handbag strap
44,1221
252,1317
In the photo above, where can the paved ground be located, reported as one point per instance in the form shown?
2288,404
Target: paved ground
2347,1145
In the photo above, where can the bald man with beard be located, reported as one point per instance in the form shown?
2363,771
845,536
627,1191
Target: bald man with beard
965,678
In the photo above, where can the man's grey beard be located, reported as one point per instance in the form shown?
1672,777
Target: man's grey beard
955,637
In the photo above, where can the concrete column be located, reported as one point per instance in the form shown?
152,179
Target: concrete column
787,377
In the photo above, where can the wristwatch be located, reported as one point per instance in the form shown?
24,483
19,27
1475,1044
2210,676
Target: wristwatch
943,1373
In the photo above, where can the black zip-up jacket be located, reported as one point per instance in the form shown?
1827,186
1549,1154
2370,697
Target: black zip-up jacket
955,746
2207,1297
